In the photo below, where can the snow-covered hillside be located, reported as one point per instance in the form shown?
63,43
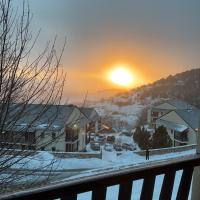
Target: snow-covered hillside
123,110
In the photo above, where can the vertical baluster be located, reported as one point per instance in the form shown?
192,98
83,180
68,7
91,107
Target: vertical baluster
184,187
148,187
167,186
125,190
99,193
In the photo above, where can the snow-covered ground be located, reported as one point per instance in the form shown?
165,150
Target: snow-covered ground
45,161
125,139
93,166
127,160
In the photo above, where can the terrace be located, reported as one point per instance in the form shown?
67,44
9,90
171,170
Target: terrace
125,179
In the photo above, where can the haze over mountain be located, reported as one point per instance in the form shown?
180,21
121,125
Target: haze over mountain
127,107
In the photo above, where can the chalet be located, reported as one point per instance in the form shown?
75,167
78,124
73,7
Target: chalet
46,127
182,125
161,109
180,119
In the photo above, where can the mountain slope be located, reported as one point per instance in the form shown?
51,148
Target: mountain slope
184,86
126,109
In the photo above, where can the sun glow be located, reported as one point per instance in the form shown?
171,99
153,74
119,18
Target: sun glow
121,76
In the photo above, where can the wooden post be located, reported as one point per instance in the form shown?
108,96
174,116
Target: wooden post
196,175
198,139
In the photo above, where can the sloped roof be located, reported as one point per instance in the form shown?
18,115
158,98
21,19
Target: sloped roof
190,116
159,110
172,125
88,113
179,104
39,116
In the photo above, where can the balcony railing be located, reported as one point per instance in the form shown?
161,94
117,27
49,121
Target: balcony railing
98,184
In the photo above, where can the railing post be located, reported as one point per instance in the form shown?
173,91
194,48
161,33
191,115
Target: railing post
196,175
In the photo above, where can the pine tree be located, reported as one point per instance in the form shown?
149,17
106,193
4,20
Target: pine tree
161,138
142,137
137,133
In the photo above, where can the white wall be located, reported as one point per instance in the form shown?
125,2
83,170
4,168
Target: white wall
175,118
77,118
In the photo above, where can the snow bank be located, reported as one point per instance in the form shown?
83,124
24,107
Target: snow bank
47,161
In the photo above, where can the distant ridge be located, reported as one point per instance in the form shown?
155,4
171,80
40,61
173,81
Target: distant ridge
184,86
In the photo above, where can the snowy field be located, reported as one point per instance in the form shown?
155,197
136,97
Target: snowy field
45,161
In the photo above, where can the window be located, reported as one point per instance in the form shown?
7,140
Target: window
53,136
42,135
53,148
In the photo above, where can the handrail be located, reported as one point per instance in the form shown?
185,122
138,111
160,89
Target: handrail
99,182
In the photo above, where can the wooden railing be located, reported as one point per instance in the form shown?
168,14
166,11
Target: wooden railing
124,178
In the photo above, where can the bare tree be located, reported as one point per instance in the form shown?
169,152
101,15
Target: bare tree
24,81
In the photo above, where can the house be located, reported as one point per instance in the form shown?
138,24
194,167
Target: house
71,134
94,118
94,124
180,119
155,112
182,125
45,127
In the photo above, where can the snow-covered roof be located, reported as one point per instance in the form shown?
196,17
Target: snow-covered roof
38,116
179,104
90,113
171,125
190,116
155,109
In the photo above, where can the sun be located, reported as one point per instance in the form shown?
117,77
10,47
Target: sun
121,76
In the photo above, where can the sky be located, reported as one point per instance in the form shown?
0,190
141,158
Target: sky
153,38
